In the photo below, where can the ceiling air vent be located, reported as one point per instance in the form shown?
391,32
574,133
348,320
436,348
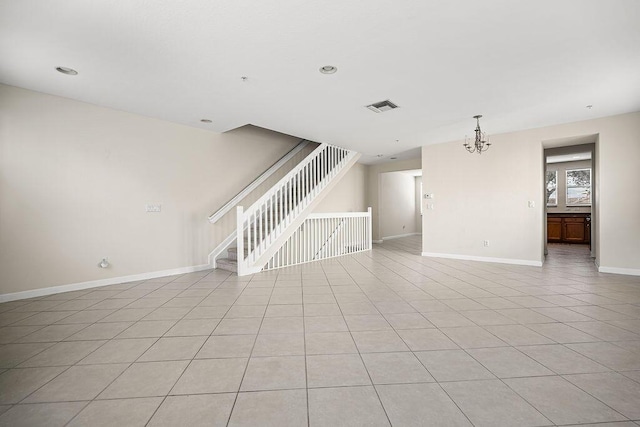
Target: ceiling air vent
382,106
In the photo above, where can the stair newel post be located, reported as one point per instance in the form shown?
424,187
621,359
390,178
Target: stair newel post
369,231
240,239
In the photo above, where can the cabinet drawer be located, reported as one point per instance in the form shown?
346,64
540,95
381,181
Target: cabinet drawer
552,219
573,219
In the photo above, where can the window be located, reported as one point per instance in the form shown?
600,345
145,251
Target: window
579,187
552,188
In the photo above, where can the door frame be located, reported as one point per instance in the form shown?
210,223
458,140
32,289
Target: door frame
579,144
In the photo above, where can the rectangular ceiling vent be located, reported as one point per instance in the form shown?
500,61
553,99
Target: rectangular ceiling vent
382,106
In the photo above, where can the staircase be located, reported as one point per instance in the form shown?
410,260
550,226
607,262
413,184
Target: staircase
267,224
230,263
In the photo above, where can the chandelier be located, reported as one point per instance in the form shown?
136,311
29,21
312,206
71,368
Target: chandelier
480,144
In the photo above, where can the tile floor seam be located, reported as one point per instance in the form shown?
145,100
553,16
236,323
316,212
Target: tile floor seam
457,404
135,361
360,354
590,394
306,363
560,376
87,308
500,379
246,368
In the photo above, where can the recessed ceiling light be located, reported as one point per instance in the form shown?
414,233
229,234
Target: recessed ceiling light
589,107
205,121
67,70
328,69
380,155
393,158
244,78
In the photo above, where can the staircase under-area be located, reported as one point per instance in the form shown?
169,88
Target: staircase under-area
279,230
230,263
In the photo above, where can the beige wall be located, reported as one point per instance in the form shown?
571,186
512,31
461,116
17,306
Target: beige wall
75,178
373,187
397,204
561,169
349,195
485,197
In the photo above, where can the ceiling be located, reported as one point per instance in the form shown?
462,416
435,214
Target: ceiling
520,64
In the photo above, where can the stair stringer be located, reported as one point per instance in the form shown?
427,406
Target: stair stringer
259,264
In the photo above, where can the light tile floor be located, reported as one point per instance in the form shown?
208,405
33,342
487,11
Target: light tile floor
380,338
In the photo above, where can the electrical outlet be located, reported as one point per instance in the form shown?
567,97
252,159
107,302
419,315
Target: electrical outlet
430,206
532,204
485,243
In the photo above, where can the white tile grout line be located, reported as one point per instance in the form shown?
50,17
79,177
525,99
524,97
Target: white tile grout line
358,349
255,340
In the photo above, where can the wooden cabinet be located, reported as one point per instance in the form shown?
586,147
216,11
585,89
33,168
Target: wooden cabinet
568,228
554,229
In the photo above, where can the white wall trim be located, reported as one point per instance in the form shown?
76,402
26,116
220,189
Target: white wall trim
619,270
532,263
376,241
399,236
97,283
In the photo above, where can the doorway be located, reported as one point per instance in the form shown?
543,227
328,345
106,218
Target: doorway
400,207
570,201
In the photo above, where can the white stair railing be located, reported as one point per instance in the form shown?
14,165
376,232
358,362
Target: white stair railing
323,236
214,217
261,225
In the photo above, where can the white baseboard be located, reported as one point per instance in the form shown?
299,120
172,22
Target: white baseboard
485,259
102,282
618,270
399,236
377,241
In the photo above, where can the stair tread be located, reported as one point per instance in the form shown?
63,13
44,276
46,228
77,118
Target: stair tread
235,250
227,264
